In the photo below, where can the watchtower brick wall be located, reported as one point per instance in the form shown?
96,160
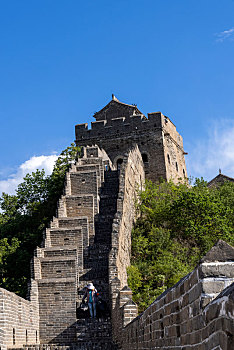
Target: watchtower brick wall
119,127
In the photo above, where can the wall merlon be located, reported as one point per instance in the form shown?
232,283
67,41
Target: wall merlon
98,125
54,222
83,126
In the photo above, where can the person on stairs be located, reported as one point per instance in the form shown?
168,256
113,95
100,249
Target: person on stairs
91,295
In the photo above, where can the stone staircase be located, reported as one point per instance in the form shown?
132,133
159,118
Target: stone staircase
107,208
75,252
92,334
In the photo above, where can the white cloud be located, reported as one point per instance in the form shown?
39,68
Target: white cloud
41,162
215,152
226,34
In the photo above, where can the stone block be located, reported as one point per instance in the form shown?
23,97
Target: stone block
216,269
212,312
212,286
195,293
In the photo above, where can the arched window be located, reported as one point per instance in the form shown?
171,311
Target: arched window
176,165
26,336
145,157
184,172
168,158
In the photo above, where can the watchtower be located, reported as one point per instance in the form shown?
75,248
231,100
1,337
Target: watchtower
119,126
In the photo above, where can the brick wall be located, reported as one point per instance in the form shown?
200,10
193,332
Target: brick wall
131,178
192,315
57,309
19,320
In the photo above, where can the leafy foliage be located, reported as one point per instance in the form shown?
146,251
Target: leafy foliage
177,225
23,218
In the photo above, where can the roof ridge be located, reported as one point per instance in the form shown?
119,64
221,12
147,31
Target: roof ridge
114,98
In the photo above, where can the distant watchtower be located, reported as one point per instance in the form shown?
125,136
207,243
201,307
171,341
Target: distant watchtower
118,126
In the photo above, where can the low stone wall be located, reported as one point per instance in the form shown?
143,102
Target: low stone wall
19,321
211,328
191,315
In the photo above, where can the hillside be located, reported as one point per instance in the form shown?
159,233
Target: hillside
176,226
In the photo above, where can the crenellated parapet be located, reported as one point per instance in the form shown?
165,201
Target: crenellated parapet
127,125
119,126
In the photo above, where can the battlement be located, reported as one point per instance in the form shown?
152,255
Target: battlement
123,125
126,125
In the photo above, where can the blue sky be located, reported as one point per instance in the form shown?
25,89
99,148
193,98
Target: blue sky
60,61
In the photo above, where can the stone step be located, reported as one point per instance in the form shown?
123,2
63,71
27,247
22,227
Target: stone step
108,210
99,248
59,263
108,186
111,181
108,205
106,199
105,218
111,192
94,264
106,240
103,254
111,174
100,235
104,222
93,329
93,274
103,232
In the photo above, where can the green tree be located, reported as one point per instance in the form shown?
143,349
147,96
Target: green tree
177,225
23,218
